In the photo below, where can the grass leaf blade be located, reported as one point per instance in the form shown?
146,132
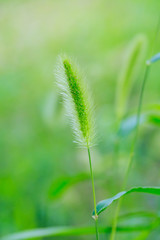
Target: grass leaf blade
104,204
71,231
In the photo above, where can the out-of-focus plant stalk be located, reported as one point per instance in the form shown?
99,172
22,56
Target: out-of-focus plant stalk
148,64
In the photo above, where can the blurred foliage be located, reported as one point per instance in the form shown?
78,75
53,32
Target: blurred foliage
36,143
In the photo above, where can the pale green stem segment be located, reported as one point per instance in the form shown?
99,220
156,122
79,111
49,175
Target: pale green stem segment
94,195
114,226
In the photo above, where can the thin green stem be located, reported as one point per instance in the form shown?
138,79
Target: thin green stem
94,195
137,125
114,226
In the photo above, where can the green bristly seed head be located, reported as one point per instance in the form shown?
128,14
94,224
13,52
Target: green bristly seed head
77,96
76,101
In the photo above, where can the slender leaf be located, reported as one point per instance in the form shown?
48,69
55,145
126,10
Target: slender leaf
71,231
104,204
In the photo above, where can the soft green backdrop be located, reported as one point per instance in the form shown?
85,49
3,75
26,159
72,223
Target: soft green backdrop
37,153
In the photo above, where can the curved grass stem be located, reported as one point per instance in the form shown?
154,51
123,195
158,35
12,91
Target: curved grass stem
114,226
94,195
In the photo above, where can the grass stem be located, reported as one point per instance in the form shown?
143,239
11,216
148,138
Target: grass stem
115,221
114,226
94,195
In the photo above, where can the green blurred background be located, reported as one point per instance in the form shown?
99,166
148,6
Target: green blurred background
44,176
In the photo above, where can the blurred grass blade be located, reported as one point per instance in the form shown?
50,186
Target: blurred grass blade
61,184
129,124
138,218
138,214
71,231
145,234
78,231
154,119
155,58
104,204
53,231
129,73
154,107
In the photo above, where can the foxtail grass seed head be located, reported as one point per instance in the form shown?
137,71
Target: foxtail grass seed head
77,101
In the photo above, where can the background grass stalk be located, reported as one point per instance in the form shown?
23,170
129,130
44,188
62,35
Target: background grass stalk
132,152
115,221
94,195
129,72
